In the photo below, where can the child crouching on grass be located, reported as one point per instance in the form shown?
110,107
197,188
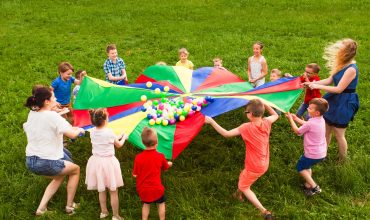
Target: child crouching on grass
314,142
147,171
256,135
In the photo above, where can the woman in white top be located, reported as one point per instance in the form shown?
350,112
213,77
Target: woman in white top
257,66
45,154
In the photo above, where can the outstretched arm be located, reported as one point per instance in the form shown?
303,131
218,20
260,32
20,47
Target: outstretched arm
347,78
118,142
232,133
273,115
292,123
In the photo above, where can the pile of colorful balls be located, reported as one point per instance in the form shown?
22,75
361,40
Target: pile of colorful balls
167,111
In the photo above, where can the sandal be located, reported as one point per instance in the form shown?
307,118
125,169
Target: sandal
117,217
40,212
267,215
103,215
70,210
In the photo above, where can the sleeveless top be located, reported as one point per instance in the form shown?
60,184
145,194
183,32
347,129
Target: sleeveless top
256,70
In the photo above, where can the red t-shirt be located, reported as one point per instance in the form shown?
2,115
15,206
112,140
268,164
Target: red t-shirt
147,168
256,139
311,93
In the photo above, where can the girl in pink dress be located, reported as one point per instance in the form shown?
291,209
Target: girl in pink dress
103,169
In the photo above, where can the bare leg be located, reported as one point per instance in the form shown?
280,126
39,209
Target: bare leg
307,175
114,202
253,199
50,190
162,211
145,211
103,202
342,142
73,172
328,131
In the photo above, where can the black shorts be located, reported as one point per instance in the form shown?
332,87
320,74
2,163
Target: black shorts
160,200
330,123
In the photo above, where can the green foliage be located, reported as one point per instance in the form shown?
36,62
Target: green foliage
36,35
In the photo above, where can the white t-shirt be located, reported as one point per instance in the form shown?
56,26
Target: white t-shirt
102,141
44,132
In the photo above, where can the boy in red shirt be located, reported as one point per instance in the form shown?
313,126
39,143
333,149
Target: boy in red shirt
256,135
310,75
147,171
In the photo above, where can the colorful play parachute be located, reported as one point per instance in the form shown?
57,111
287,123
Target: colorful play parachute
174,101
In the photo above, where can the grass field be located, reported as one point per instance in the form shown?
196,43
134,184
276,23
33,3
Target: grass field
37,35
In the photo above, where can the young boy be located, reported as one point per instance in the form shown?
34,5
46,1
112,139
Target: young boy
314,142
310,75
217,63
79,75
62,86
147,171
183,55
256,135
275,75
114,67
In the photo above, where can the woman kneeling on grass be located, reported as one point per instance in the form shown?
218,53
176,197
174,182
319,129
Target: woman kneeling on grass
45,154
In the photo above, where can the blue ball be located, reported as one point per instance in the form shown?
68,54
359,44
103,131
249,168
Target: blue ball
143,109
193,107
177,117
149,116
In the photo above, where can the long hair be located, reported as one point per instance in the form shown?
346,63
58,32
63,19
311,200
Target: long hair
39,95
340,54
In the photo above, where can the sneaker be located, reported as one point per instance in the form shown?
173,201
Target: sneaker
313,191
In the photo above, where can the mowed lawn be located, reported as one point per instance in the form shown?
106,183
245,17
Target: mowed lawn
35,36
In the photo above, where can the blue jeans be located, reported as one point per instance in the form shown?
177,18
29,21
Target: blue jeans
47,167
301,110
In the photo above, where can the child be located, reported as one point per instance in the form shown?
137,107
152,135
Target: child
114,67
315,146
257,66
147,171
183,55
256,135
161,63
275,75
310,75
62,86
103,169
217,63
79,75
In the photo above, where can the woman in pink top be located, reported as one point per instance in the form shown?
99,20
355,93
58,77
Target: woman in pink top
314,142
256,135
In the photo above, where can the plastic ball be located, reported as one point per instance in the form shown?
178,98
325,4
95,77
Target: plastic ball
151,122
182,118
165,122
184,113
179,111
143,98
149,116
191,113
176,116
172,121
159,112
194,107
149,84
157,90
155,102
143,109
166,88
158,121
161,106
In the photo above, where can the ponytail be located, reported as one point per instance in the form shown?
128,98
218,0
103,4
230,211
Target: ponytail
39,95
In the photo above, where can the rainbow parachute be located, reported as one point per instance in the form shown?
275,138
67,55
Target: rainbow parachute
178,100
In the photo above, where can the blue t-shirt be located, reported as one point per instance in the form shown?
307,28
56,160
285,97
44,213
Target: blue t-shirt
62,89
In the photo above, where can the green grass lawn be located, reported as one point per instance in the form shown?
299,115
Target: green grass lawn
35,36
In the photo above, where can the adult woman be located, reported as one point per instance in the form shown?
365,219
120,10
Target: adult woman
45,154
342,96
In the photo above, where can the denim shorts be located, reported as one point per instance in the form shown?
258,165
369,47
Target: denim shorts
47,167
158,201
305,163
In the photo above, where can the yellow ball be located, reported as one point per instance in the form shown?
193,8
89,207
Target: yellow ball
158,121
165,122
149,84
182,118
143,98
151,122
179,111
157,91
166,88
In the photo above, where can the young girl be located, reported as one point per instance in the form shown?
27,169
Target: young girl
103,169
341,96
183,55
257,66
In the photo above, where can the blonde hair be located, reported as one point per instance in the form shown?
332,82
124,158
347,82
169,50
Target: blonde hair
111,47
340,54
217,59
276,71
183,50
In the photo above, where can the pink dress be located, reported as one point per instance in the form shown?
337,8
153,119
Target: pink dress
103,168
